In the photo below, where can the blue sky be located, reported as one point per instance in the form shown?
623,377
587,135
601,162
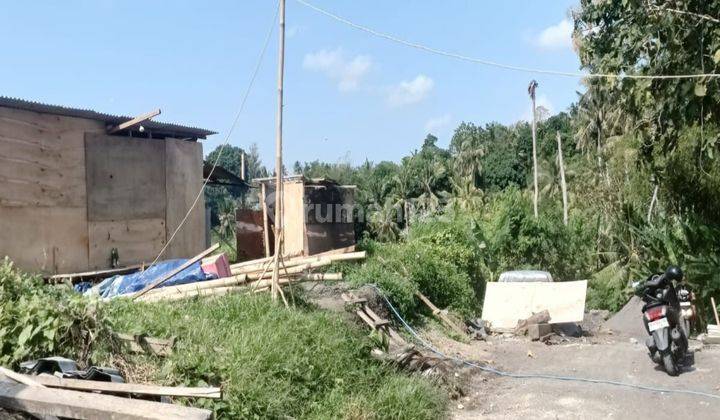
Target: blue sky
348,95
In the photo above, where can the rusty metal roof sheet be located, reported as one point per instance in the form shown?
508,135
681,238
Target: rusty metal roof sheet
168,129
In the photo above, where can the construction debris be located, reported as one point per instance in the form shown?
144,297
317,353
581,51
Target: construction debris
542,317
52,397
256,275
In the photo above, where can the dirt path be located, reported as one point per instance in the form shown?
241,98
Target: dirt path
606,357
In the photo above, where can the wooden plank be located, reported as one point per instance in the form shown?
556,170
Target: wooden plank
135,121
266,233
138,241
97,274
85,405
294,218
440,314
125,178
168,276
183,180
20,378
113,387
506,303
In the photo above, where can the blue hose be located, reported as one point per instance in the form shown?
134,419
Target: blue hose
534,375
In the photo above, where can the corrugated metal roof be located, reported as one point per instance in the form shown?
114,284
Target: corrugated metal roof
172,130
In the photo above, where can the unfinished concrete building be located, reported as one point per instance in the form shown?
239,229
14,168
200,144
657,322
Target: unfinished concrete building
78,184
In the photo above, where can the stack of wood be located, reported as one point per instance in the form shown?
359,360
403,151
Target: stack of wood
256,276
51,397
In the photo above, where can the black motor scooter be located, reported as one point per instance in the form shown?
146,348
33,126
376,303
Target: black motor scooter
665,320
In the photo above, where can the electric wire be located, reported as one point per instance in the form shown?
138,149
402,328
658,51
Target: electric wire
498,372
490,63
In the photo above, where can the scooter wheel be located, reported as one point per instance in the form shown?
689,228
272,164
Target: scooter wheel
669,364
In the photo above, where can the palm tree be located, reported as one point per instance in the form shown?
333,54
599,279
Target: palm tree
404,184
383,221
466,198
599,119
429,201
468,157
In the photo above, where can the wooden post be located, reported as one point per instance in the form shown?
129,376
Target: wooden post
562,180
714,308
438,313
531,91
266,233
278,158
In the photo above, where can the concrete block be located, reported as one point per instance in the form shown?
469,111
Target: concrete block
535,331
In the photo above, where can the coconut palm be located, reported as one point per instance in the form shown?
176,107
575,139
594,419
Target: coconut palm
383,221
465,198
404,184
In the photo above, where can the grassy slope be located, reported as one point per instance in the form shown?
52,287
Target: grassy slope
275,362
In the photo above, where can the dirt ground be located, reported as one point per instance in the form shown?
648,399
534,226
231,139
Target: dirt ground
604,356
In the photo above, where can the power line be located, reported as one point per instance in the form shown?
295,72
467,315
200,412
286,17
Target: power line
497,64
227,137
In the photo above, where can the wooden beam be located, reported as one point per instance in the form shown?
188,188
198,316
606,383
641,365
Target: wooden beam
180,269
85,405
133,122
123,388
440,314
18,377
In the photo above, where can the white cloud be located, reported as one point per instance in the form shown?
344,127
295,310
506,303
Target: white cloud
557,36
347,73
410,92
436,123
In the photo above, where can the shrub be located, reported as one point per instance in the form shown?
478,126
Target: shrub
39,321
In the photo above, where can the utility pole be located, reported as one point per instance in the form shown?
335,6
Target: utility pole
562,180
275,286
531,91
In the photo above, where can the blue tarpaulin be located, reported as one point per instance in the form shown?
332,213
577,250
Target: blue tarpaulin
131,283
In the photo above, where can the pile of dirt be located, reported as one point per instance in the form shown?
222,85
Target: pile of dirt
628,320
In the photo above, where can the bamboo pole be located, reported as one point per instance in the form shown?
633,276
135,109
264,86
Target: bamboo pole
278,156
562,179
299,261
714,308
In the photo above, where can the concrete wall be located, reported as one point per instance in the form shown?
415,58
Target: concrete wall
70,194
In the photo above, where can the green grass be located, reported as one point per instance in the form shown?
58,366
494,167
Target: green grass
278,363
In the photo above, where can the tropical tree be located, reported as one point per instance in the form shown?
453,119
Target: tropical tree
383,221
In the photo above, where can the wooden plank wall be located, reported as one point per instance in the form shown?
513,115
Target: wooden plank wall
183,180
70,193
126,199
43,209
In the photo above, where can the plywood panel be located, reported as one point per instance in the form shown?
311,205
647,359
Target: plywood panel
183,181
125,178
137,241
506,303
294,218
42,159
51,240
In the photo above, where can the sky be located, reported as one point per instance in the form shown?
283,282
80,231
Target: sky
349,96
